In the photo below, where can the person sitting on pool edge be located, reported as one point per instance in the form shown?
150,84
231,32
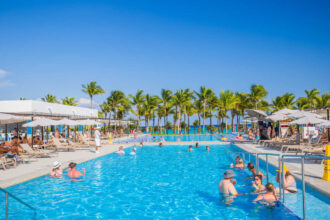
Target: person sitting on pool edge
270,197
254,170
190,148
73,173
208,148
257,184
56,171
226,186
120,150
290,184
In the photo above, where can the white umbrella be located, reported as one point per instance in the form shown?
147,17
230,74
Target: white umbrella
285,111
307,120
10,119
325,124
277,117
249,121
40,122
256,113
301,114
88,122
66,121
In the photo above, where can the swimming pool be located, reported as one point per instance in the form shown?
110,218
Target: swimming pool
175,138
159,183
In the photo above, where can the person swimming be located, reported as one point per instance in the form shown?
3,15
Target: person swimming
161,144
254,170
73,173
190,148
208,148
121,150
56,171
133,153
240,164
197,145
268,198
257,184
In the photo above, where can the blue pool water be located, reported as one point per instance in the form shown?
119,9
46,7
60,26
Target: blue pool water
159,183
175,138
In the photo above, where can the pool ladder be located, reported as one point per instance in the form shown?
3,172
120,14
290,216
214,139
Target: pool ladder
281,158
7,194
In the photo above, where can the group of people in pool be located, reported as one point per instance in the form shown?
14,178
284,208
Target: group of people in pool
190,148
267,194
73,173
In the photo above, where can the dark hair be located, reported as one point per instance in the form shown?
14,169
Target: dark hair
190,146
72,165
270,187
259,176
250,165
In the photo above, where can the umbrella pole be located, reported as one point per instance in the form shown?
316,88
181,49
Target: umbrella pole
47,133
6,131
328,110
68,130
17,130
42,133
32,135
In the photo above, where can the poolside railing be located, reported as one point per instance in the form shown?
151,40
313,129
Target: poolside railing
7,194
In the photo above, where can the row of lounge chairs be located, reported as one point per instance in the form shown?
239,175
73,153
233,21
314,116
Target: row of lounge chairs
29,154
296,145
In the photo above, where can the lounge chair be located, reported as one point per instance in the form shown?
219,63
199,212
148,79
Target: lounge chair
61,146
35,153
4,162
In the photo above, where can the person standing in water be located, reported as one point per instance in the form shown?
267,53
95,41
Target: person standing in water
73,173
57,171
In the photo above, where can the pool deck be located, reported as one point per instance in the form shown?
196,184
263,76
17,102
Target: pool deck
25,172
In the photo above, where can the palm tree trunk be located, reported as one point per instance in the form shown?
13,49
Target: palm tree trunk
165,124
204,106
210,121
109,121
188,125
153,123
159,119
232,120
199,121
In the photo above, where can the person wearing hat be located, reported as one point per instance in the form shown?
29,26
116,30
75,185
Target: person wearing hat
56,171
290,184
97,139
226,186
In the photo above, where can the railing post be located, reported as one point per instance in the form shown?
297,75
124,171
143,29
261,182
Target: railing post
279,175
303,185
257,164
244,158
282,180
267,166
7,206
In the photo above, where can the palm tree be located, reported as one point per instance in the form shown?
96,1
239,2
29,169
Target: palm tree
105,109
302,103
203,95
242,103
312,96
116,99
138,100
288,100
323,101
227,102
277,103
199,110
149,106
92,89
212,102
257,93
50,98
166,98
160,113
69,101
190,111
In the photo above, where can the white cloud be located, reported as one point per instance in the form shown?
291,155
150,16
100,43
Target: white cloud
3,73
6,83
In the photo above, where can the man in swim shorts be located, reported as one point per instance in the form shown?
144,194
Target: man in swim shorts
73,173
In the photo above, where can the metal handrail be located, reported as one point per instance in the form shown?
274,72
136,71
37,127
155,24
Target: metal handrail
17,199
302,175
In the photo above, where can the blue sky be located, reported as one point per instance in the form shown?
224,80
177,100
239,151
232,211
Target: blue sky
56,46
